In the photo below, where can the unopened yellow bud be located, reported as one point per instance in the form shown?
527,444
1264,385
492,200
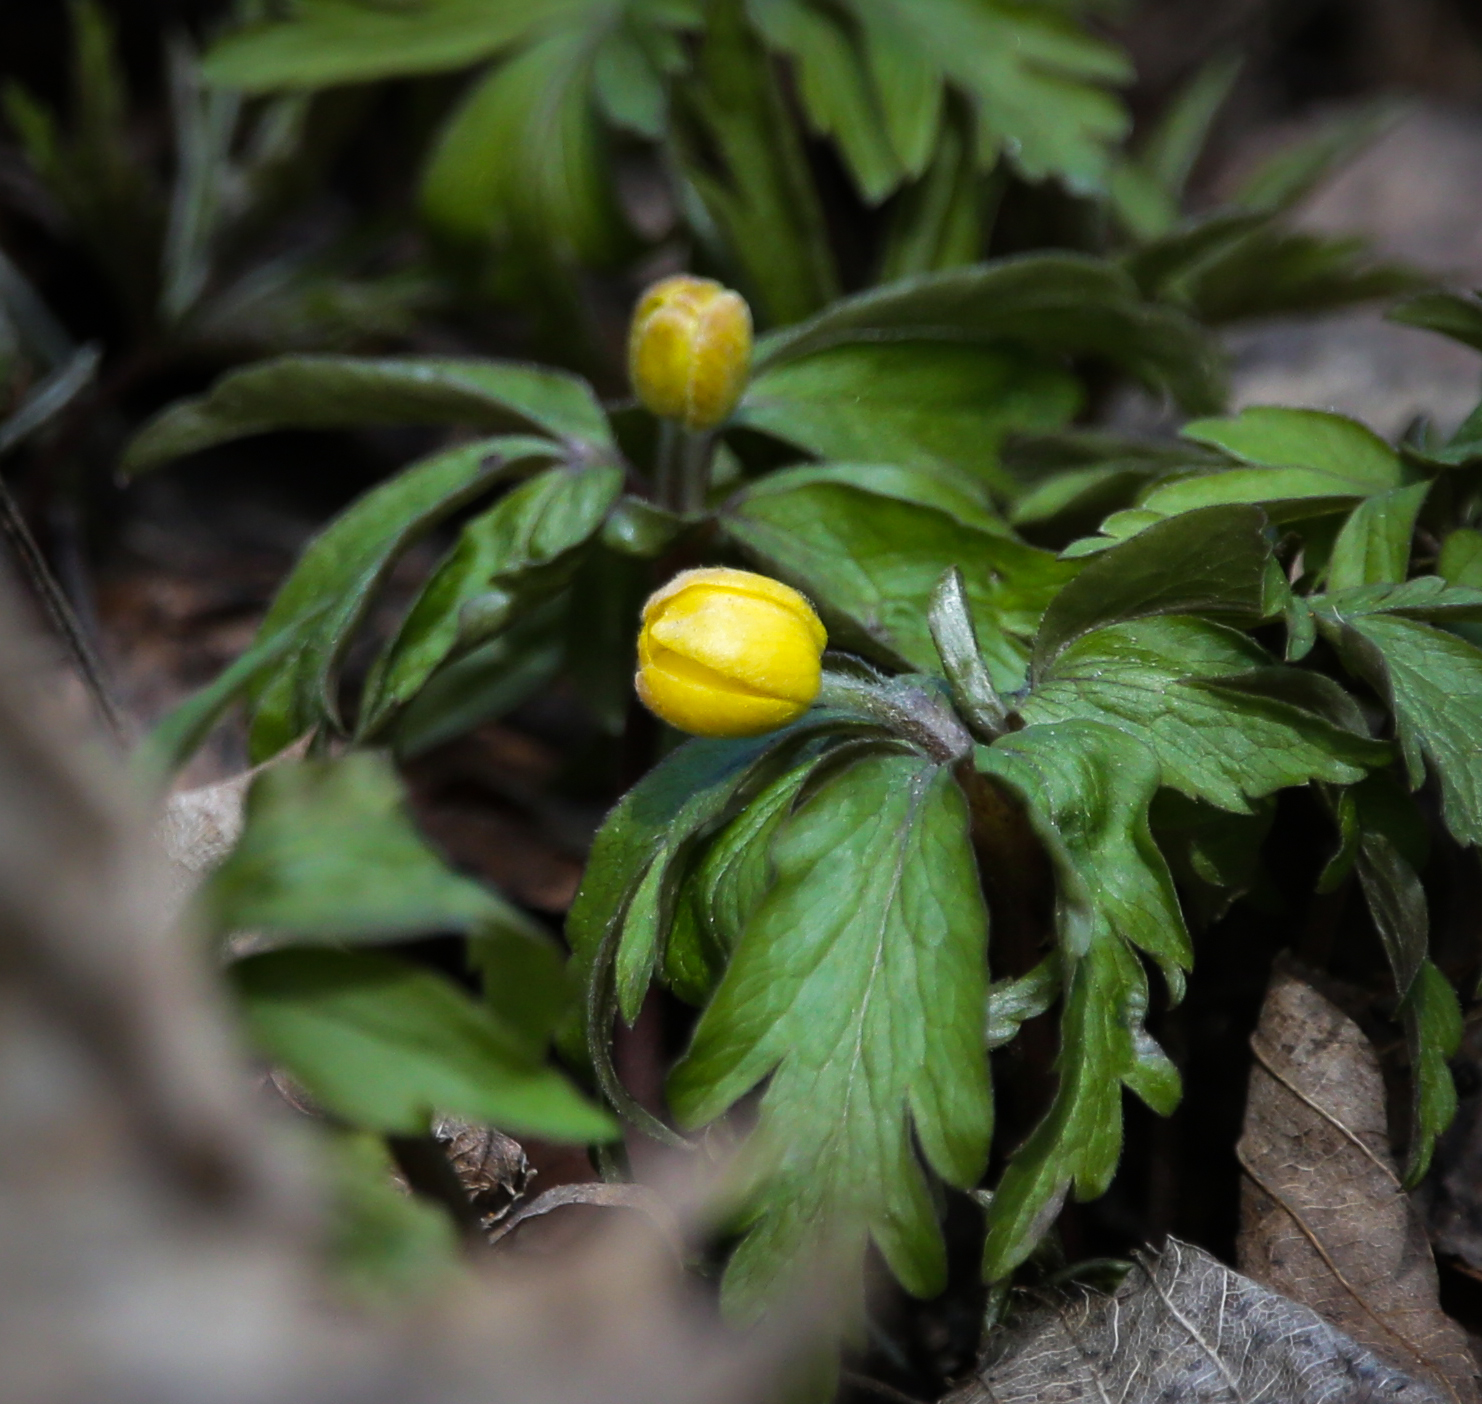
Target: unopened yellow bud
689,350
728,653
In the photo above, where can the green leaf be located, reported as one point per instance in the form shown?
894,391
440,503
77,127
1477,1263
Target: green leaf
1178,140
733,876
1286,494
1104,1047
1143,207
722,780
1457,315
911,403
1396,901
524,979
521,165
1062,304
1215,855
963,498
835,88
628,87
907,84
349,392
968,680
619,922
1306,462
1270,270
746,174
346,563
1427,597
386,1046
870,562
867,1013
383,1245
328,42
329,853
1433,1031
1176,684
1283,179
1036,81
1432,681
524,547
1162,267
1272,437
1081,475
1087,788
180,734
493,679
639,826
941,221
1212,561
1014,1002
1374,546
1461,559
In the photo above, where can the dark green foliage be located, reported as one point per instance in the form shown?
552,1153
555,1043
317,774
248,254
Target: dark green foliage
334,392
868,1014
1087,789
1090,627
329,854
384,1046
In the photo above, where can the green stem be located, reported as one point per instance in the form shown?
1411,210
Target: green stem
666,465
910,711
696,452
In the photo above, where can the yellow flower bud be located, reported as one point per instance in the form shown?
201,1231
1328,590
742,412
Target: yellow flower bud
728,653
689,350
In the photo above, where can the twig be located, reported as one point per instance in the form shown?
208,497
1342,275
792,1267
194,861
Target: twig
857,1381
59,610
606,1196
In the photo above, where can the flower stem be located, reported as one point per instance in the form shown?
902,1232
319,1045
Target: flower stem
911,711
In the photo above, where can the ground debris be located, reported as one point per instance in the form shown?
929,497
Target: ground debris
1323,1217
1183,1327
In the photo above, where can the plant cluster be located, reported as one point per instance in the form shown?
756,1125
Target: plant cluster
1267,611
1067,673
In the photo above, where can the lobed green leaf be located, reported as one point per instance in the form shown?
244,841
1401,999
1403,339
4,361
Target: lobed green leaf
1207,701
870,560
525,547
1212,561
386,1046
1087,788
1432,682
1373,548
1062,304
345,564
329,853
919,404
867,1014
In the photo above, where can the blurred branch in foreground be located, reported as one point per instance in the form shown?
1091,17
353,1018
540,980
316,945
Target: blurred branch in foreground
160,1231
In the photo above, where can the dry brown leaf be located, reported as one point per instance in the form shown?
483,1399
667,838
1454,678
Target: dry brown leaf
1184,1329
1323,1218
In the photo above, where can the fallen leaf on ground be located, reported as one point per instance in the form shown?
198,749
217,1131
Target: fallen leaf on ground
1184,1327
1323,1218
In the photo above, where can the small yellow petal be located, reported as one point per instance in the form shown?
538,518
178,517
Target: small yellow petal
729,653
689,351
